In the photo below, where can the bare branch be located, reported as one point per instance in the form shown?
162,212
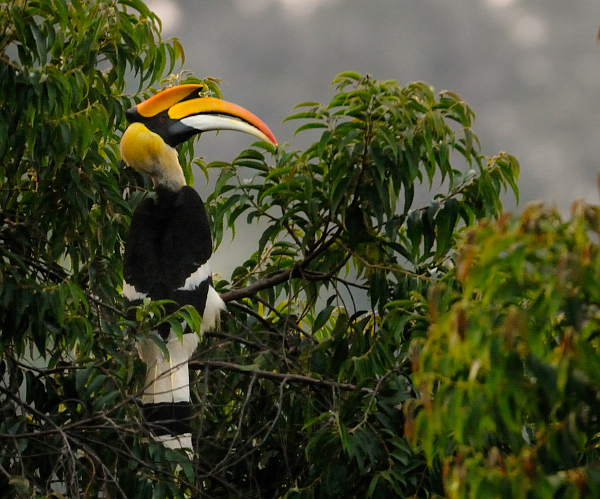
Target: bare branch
279,277
269,281
284,377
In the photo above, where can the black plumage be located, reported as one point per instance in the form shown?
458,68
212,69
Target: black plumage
169,239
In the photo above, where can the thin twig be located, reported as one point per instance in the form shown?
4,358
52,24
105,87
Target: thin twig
283,317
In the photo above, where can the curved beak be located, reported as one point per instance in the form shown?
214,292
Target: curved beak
178,113
208,113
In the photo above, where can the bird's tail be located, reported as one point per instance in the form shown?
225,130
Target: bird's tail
166,400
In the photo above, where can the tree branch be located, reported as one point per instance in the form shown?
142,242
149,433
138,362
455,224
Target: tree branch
280,276
269,281
284,377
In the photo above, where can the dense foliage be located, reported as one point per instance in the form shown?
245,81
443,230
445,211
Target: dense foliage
336,288
391,334
509,372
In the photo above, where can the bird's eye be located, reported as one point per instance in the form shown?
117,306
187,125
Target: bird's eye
161,120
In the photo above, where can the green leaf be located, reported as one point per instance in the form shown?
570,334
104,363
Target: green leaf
20,484
40,43
414,230
322,318
178,49
307,104
347,75
445,223
373,485
300,116
310,126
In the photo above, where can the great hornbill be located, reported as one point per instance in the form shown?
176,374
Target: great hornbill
169,242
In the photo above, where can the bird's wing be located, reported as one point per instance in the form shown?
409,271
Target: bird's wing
187,247
167,253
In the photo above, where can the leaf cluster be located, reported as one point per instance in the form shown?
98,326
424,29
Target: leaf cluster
508,373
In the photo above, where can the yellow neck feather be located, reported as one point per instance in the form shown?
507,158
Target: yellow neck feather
147,152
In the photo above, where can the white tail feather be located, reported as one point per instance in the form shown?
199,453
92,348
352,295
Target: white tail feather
183,441
167,380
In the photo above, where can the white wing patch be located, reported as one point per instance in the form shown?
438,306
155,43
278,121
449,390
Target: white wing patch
212,310
132,294
198,277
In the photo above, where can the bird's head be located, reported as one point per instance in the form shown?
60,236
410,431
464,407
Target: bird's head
173,116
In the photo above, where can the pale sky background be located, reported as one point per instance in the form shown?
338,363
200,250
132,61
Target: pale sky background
530,69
